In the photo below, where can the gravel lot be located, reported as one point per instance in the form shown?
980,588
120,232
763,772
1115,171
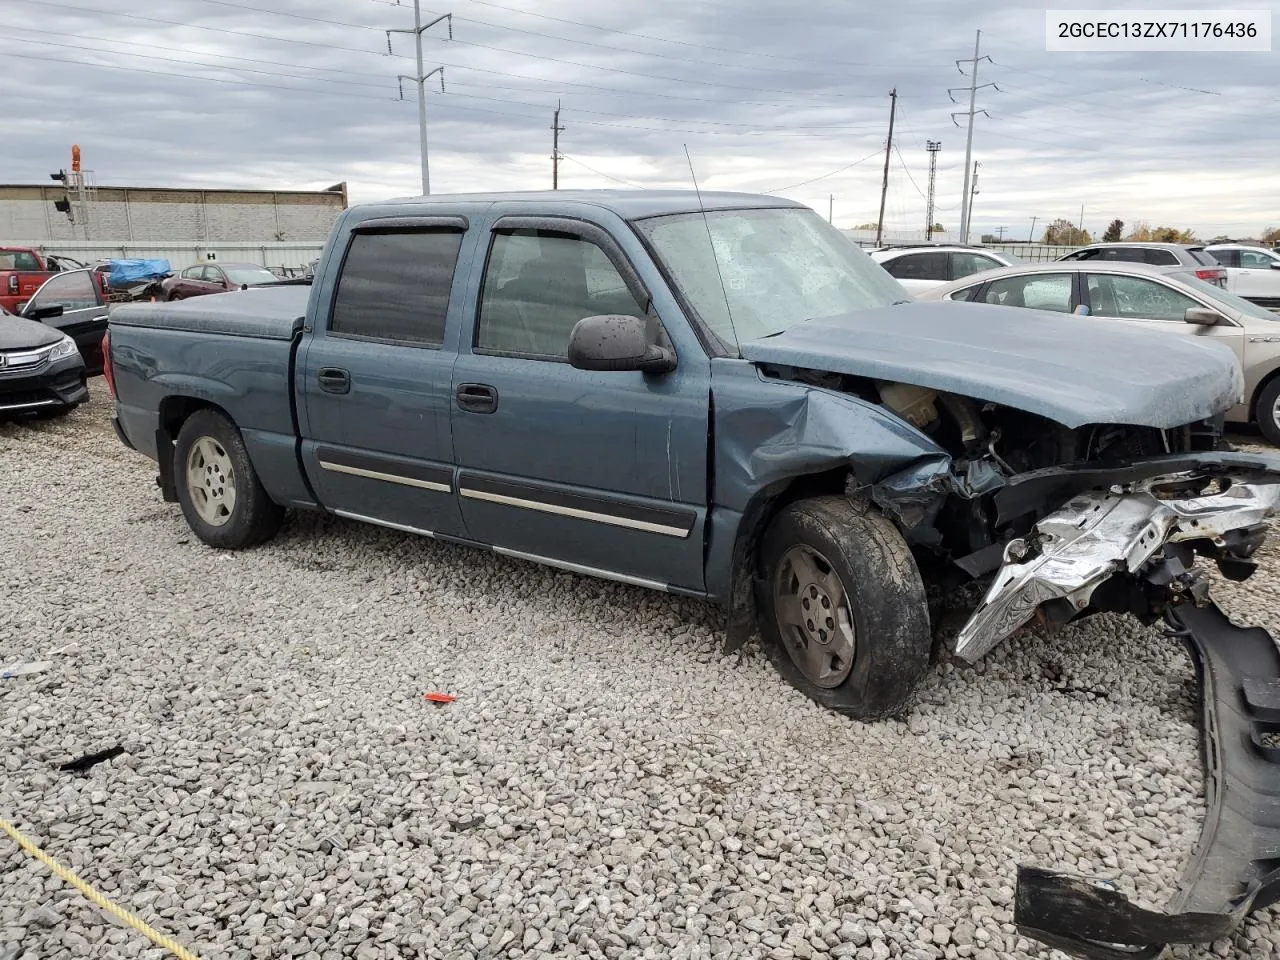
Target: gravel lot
606,784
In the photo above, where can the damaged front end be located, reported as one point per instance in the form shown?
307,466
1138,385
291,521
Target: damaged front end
1126,538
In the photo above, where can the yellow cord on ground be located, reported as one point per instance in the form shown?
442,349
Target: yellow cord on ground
117,911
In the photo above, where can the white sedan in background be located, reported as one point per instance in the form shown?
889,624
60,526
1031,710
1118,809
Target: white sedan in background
922,267
1163,299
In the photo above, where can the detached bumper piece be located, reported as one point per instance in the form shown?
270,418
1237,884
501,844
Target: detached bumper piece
1236,867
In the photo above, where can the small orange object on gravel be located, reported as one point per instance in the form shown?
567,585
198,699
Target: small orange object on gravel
441,697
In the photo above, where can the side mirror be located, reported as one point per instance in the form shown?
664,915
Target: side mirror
44,313
613,342
1275,264
1202,316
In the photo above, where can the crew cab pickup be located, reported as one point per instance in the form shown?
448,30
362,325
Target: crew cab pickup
720,396
22,271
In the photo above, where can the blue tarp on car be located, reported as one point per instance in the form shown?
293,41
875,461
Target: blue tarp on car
125,272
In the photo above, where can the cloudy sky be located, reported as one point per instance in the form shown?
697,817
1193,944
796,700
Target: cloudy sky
768,97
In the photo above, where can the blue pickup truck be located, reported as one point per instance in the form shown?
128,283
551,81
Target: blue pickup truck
720,396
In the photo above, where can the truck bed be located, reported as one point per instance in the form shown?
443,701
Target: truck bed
272,313
234,352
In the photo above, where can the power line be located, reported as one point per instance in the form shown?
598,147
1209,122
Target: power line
197,26
847,166
907,171
645,36
601,173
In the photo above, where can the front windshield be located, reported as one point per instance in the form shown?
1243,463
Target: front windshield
771,269
250,275
1239,304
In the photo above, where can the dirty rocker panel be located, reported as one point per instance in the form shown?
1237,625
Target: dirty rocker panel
410,473
671,522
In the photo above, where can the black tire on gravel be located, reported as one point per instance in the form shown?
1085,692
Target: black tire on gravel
252,516
815,549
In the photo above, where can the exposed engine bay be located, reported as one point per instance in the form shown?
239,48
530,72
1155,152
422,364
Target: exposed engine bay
1062,522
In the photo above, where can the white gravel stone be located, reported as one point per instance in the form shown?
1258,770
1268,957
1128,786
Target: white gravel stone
606,784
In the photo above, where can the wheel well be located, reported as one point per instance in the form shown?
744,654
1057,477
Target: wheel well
174,412
764,506
1257,393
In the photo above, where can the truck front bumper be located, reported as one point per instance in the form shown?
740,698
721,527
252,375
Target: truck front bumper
1236,867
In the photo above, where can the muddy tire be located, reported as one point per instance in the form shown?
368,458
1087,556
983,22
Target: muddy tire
1267,411
219,491
843,612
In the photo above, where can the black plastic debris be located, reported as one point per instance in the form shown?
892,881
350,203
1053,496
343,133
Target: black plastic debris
90,760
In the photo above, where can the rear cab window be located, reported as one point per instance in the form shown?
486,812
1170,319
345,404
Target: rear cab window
395,285
19,260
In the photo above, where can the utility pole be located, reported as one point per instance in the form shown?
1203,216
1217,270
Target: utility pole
831,206
1000,233
1080,224
933,146
1032,235
973,192
888,146
421,79
974,87
556,130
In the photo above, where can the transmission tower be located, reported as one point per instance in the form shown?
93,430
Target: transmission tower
966,198
933,146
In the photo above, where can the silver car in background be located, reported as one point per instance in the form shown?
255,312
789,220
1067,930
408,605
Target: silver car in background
1166,299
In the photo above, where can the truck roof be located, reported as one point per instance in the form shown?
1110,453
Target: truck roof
628,204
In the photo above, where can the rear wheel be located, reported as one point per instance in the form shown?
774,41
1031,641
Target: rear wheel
1267,411
844,615
219,491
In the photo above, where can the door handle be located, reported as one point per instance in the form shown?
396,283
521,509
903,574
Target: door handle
477,397
334,380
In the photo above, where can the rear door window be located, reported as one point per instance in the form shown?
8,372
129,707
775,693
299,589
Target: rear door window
964,264
1039,291
395,285
1136,298
918,266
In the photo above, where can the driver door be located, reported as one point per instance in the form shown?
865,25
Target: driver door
598,472
72,302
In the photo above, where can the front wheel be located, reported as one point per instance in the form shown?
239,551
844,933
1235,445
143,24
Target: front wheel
1267,411
218,489
844,615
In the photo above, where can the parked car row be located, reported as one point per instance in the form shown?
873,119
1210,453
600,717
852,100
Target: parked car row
1188,289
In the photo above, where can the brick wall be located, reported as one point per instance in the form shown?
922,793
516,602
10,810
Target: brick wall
27,215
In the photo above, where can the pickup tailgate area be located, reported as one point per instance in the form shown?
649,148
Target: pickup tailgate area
233,351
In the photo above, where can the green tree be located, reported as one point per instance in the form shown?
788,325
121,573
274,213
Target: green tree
1271,234
867,226
1063,232
939,228
1114,231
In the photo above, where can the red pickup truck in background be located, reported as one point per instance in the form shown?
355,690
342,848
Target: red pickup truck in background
22,271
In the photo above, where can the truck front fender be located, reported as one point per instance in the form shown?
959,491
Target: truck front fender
775,441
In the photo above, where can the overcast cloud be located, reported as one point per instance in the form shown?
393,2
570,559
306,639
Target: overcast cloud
223,93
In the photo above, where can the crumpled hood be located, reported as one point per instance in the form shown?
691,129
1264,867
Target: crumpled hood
19,334
1073,370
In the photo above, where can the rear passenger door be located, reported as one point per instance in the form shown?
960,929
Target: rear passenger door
375,381
599,472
